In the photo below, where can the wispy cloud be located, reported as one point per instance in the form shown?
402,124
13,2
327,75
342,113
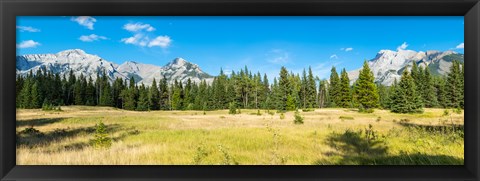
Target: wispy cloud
86,21
92,37
403,46
28,44
278,56
141,37
135,27
460,46
334,56
347,49
27,29
161,41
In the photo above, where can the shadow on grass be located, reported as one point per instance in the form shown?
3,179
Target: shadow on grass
38,122
434,128
33,139
360,148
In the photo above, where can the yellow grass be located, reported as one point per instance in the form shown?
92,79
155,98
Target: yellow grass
189,137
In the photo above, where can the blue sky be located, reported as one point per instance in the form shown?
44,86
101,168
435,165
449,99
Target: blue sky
262,43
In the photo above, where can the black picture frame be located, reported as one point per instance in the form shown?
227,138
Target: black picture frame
9,9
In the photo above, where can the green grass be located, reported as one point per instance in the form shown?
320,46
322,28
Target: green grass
189,137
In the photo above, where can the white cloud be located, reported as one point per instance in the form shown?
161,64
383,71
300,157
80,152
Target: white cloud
348,49
403,46
334,56
28,44
92,37
161,41
278,56
460,46
27,28
86,21
133,40
138,27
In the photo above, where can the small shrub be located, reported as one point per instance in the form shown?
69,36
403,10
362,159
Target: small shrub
222,117
232,108
394,120
346,117
200,154
101,139
458,111
379,119
271,113
298,118
446,112
282,116
204,112
258,112
227,158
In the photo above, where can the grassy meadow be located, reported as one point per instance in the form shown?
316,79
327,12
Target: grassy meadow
329,136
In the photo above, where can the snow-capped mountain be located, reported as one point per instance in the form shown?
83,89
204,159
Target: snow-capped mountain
89,65
388,65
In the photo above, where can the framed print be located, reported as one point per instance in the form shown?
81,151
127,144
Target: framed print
156,90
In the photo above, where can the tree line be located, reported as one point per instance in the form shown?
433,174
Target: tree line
415,90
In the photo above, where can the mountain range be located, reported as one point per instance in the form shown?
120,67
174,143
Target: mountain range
89,65
387,66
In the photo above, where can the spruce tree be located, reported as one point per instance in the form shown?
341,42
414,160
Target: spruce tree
334,89
428,90
36,101
143,102
312,90
406,99
366,93
454,86
344,93
153,96
283,89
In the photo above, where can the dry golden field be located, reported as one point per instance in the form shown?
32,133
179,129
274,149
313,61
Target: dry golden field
328,136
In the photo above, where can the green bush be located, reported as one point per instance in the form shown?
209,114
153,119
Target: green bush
282,116
232,108
298,118
101,139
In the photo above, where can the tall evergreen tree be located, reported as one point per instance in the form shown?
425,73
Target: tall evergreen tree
454,86
154,96
366,94
406,98
334,88
311,89
344,92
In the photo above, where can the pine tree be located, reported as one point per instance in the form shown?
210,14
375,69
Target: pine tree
366,94
454,86
428,90
323,94
283,90
344,92
312,90
406,99
143,102
90,93
334,89
36,97
303,91
153,96
164,102
25,94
